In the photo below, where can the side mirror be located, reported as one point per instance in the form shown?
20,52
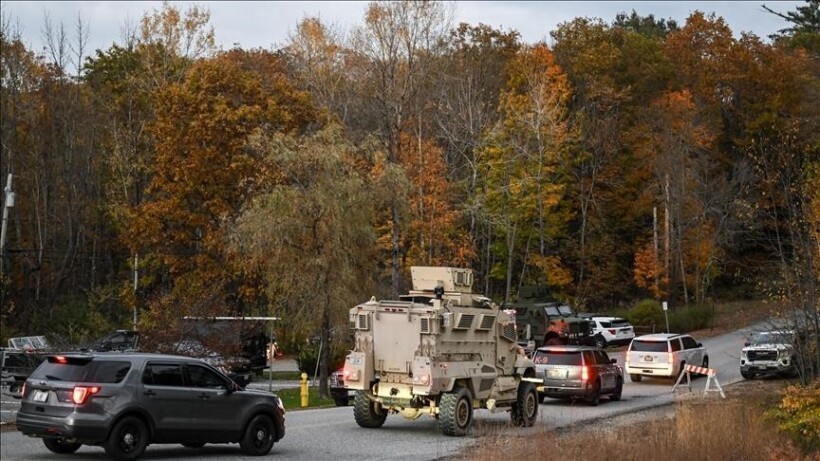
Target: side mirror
747,344
700,344
614,360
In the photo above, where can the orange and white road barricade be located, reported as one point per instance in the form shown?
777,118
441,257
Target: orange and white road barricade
711,377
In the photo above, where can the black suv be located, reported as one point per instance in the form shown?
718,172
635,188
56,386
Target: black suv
126,401
578,371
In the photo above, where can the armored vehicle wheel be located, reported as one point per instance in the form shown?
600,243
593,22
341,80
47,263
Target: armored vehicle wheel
367,413
342,401
635,378
60,447
456,412
525,408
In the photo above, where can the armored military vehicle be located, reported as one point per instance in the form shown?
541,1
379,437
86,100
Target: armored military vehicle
542,320
440,350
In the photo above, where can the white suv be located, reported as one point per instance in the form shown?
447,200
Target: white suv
663,354
607,331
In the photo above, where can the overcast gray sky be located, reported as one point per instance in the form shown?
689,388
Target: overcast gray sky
267,24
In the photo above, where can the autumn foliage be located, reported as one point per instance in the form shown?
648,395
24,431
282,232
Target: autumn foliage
627,159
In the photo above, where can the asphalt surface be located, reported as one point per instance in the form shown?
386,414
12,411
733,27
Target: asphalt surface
332,434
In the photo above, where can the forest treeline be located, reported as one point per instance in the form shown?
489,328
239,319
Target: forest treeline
630,159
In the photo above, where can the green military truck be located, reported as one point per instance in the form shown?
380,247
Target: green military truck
542,320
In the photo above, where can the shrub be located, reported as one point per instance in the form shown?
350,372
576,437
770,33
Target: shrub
309,357
798,414
691,318
649,313
646,313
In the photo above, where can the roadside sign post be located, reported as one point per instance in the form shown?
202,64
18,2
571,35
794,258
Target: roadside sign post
666,315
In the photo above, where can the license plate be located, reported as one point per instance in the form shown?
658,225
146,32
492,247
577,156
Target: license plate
648,358
555,373
39,396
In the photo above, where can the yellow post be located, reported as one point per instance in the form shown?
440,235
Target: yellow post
303,386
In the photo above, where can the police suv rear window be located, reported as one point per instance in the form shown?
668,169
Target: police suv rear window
82,370
557,358
649,346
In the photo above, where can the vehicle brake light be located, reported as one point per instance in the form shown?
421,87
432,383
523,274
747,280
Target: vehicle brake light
81,393
23,391
669,357
60,359
351,375
584,374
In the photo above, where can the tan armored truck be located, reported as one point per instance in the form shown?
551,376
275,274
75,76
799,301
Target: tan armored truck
441,351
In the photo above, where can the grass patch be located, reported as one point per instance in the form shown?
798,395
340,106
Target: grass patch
709,429
292,399
280,375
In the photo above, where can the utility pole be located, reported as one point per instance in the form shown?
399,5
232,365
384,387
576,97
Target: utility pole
655,246
136,280
7,203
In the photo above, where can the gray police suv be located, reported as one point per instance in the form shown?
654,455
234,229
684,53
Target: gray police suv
578,371
126,401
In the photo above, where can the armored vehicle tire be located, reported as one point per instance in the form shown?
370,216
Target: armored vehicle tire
616,394
367,413
128,439
60,446
635,378
747,374
594,397
525,408
455,415
258,437
342,401
600,342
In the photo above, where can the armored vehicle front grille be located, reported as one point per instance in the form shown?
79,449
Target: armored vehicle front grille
465,321
425,325
363,322
487,322
762,355
508,331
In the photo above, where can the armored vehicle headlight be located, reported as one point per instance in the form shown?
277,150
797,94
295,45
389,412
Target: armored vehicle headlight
422,379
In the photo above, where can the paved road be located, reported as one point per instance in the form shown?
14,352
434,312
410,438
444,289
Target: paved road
332,434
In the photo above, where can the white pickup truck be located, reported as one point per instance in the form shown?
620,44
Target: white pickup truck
769,353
